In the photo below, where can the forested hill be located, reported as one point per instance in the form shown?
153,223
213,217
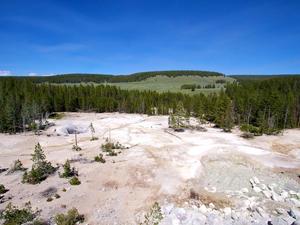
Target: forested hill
101,78
261,77
262,106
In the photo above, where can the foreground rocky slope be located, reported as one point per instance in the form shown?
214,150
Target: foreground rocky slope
196,177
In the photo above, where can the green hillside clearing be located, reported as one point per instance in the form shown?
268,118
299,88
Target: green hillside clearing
173,84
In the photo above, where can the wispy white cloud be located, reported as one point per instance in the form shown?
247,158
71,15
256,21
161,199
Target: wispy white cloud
64,47
32,74
5,73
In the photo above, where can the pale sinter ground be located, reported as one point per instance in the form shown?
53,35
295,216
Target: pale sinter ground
160,165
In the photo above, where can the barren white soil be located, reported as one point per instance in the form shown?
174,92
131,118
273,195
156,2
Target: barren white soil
234,181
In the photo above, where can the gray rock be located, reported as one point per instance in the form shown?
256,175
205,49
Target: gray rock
275,197
227,211
257,189
295,202
267,193
256,180
211,205
295,213
284,194
280,211
297,222
263,187
245,190
203,209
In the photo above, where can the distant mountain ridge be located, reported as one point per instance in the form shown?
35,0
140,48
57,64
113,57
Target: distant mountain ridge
102,78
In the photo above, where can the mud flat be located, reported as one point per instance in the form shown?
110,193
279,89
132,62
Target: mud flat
196,177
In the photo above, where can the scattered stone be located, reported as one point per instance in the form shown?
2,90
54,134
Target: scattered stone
203,209
247,203
257,189
227,211
271,186
245,190
280,211
211,205
297,222
295,213
168,209
261,212
275,197
256,180
252,182
284,194
295,202
263,187
266,193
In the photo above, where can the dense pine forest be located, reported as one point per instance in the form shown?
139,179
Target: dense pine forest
263,106
101,78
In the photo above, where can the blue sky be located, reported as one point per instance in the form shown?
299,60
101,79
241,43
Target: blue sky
121,37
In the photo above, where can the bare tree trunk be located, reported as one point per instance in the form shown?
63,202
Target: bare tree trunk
75,138
23,123
285,117
249,115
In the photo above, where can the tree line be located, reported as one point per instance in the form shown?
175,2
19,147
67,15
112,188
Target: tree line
268,105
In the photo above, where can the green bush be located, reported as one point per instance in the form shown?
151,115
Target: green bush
74,181
251,129
15,216
56,116
99,158
71,218
2,189
110,147
40,170
68,171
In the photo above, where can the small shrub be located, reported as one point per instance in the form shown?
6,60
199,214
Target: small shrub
247,135
74,181
15,216
3,189
56,116
94,139
68,171
64,190
71,218
154,216
37,175
251,129
40,222
57,195
16,166
76,148
99,158
110,147
41,169
50,199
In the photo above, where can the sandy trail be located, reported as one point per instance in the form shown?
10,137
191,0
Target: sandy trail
160,165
